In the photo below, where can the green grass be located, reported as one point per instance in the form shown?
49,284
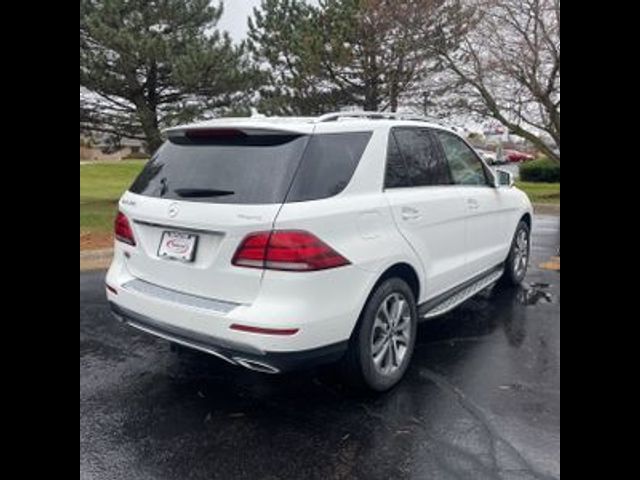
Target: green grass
101,185
541,192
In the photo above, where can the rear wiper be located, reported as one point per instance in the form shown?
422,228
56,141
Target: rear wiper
201,192
163,186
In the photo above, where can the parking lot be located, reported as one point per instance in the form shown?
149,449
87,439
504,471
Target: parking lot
513,168
481,400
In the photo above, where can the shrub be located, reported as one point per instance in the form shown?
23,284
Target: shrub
540,170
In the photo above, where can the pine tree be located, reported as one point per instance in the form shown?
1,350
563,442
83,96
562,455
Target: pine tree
285,39
340,52
146,64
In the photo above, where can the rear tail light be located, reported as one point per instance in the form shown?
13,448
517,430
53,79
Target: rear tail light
292,250
123,230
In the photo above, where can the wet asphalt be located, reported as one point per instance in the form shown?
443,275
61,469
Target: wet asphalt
481,400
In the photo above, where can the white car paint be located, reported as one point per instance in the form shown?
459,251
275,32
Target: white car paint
447,234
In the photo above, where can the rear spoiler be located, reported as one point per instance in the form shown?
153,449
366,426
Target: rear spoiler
222,133
239,127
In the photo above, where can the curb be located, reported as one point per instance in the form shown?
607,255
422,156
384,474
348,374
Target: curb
96,254
95,259
546,209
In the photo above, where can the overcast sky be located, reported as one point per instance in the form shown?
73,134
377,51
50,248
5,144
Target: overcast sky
234,18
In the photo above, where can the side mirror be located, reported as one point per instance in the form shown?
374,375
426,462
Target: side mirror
504,178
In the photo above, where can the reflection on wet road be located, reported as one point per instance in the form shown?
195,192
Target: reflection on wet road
481,400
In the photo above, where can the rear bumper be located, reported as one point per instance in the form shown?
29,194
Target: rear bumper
321,308
236,353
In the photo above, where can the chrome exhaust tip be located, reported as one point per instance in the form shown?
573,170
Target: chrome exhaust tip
256,366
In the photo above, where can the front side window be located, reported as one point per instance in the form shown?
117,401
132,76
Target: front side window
466,168
424,162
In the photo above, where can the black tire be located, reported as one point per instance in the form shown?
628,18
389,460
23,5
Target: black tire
358,364
514,271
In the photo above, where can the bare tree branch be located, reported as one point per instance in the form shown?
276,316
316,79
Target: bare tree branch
507,65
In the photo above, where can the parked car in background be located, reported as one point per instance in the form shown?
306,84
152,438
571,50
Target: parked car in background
277,243
514,156
488,156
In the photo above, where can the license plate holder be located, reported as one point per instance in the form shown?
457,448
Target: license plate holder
175,245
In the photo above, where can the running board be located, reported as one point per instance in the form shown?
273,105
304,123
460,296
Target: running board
450,300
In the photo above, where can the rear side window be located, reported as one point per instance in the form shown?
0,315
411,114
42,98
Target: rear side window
328,164
243,169
396,174
422,156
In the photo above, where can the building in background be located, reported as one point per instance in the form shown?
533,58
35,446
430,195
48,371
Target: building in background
98,146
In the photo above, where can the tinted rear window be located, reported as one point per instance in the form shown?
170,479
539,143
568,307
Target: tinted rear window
254,169
328,165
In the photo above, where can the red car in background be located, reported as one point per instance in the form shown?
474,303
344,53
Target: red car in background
514,156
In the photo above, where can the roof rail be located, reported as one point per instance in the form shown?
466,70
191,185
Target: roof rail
333,116
330,117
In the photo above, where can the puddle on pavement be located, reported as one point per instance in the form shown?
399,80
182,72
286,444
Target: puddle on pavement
533,293
496,307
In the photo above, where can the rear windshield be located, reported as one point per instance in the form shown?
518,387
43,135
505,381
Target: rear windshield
252,169
255,169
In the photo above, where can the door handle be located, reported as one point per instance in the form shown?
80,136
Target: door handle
409,213
472,203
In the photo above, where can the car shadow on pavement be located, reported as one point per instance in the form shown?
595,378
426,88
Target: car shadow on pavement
200,415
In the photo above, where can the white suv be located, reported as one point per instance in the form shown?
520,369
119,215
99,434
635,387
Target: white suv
274,243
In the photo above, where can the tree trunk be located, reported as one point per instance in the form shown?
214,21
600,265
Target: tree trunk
149,121
393,96
148,111
371,102
371,94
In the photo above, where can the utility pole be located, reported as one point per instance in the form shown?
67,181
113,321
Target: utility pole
425,102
